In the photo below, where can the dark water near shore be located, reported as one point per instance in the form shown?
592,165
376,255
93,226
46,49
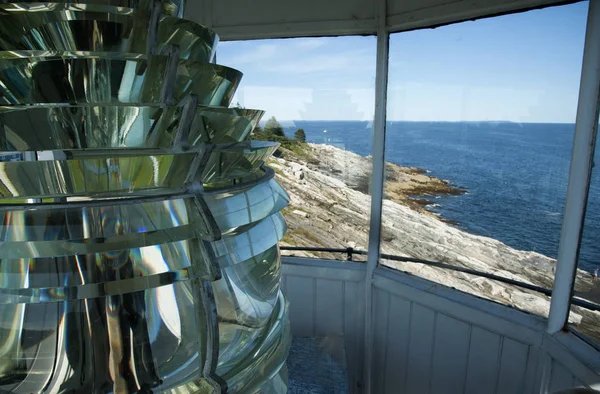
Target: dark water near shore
515,174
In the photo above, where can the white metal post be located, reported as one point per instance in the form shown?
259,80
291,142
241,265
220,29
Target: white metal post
582,157
377,183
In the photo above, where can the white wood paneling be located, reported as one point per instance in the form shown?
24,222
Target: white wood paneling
420,349
399,341
300,293
432,339
329,308
452,342
484,361
560,377
353,331
243,19
415,14
516,324
327,300
381,331
402,7
569,362
269,12
450,356
512,372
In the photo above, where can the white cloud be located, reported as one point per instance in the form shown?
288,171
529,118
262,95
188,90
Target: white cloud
306,79
310,65
283,103
311,43
307,103
448,102
261,53
324,61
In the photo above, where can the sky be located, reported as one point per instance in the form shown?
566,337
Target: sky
523,67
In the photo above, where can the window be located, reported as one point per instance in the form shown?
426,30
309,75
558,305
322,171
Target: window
587,279
320,90
478,143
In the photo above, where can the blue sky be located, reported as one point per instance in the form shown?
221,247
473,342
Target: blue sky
523,67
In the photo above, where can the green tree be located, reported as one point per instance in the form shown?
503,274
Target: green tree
274,127
300,135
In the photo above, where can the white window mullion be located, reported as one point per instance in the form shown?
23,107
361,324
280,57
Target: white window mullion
582,157
377,184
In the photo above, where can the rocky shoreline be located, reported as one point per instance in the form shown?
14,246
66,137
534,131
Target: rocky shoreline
330,207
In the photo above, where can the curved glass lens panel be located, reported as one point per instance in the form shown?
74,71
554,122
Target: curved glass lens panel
236,161
223,125
139,227
99,80
73,341
71,173
117,126
245,314
233,209
248,241
62,27
94,176
55,230
270,354
254,284
168,7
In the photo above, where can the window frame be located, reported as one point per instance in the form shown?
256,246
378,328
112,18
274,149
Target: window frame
586,129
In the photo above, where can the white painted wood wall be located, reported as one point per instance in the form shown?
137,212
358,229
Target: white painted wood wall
430,338
329,302
256,19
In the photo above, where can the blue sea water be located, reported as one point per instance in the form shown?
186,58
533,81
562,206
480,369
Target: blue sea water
515,174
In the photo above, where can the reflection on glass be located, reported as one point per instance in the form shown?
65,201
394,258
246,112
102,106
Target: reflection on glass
139,227
318,94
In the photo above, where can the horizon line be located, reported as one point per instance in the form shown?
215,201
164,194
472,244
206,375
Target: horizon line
421,121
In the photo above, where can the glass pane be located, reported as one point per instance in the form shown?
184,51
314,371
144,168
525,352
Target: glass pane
318,94
479,134
587,279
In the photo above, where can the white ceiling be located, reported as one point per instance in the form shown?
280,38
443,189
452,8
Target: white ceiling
253,19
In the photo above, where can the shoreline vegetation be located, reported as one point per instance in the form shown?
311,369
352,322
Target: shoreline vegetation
330,207
409,186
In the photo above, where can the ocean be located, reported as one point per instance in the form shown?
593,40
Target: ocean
515,175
